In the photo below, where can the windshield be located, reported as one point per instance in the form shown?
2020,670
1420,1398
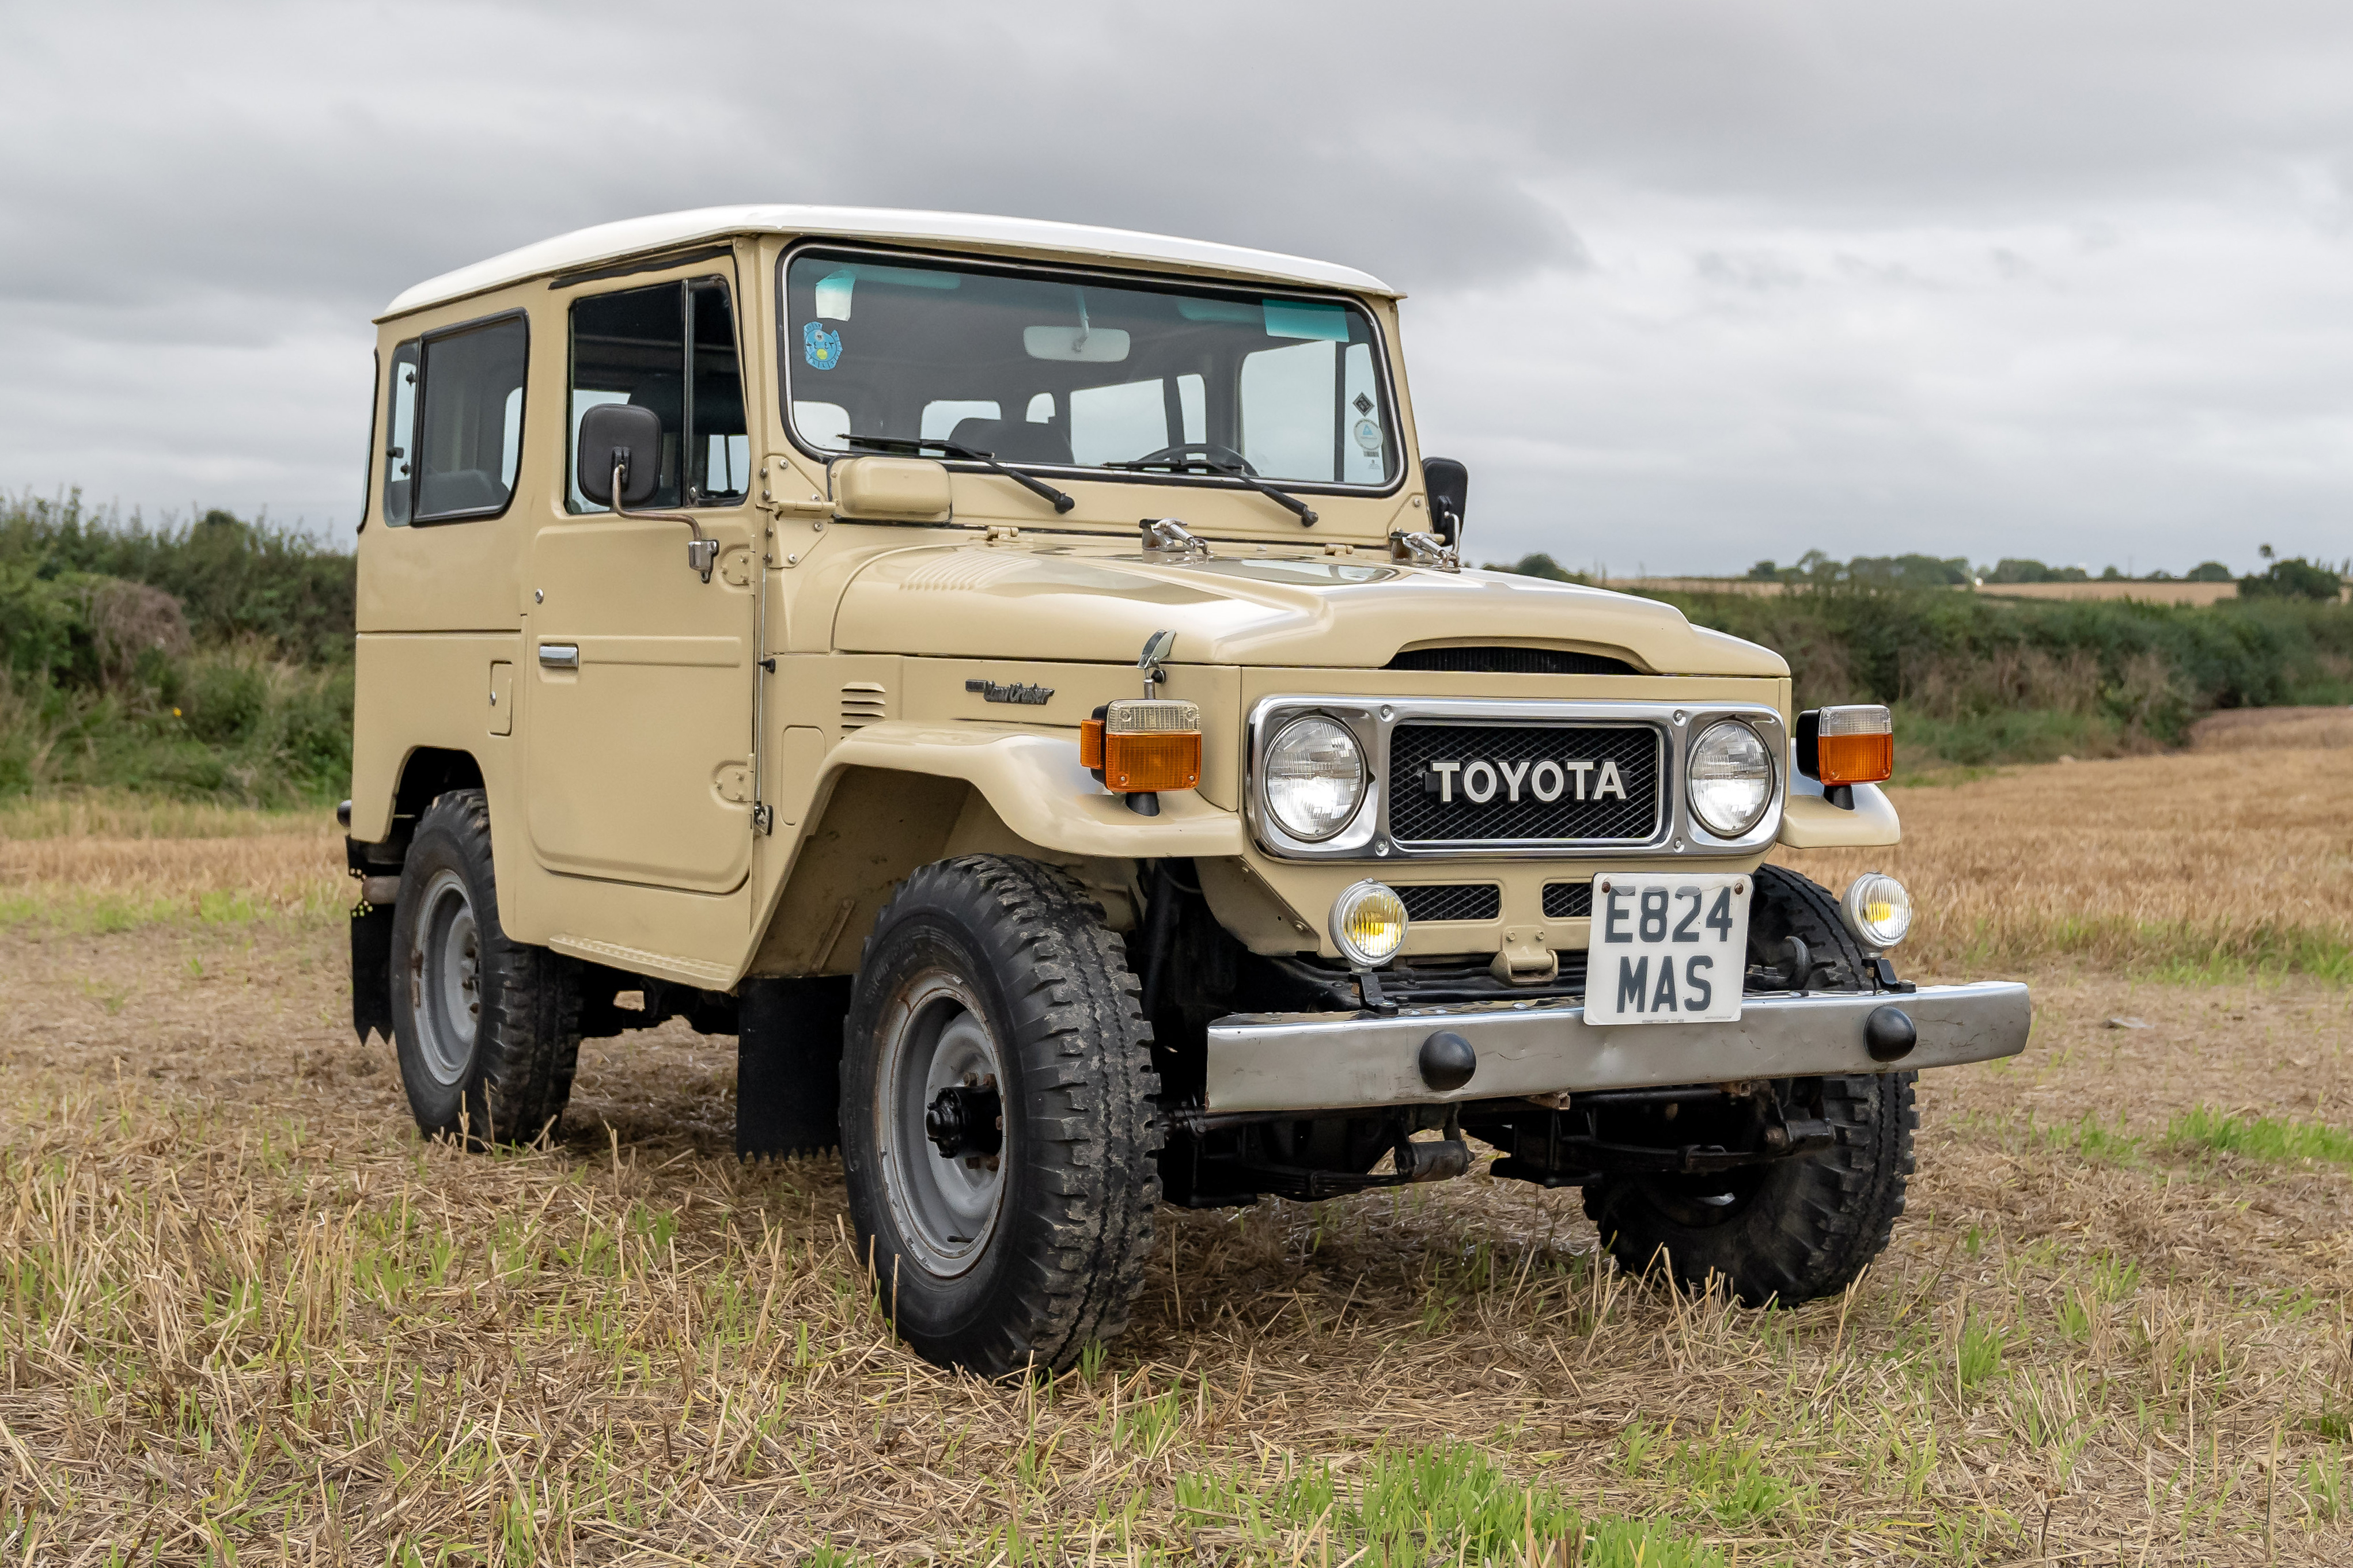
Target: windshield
1065,370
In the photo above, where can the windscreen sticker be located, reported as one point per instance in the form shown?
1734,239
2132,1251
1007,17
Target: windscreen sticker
834,292
820,348
1291,319
1368,437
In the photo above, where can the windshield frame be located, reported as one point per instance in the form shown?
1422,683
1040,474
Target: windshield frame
1240,290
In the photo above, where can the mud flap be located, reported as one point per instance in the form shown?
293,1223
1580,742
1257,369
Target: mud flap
788,1066
370,971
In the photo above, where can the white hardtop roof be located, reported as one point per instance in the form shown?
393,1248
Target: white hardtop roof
612,241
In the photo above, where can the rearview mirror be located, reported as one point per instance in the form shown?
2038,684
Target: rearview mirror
622,433
1080,345
1449,483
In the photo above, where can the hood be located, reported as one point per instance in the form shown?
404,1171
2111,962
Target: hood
1056,604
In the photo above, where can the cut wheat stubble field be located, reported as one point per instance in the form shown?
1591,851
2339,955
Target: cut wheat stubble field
246,1313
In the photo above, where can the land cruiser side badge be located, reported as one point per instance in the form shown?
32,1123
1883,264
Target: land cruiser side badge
820,348
996,691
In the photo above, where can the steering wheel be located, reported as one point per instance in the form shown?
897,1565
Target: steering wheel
1186,448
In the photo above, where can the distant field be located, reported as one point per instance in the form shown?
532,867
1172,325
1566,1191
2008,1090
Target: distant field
2234,859
247,1316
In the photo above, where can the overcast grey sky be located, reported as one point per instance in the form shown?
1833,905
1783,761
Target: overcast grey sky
1692,283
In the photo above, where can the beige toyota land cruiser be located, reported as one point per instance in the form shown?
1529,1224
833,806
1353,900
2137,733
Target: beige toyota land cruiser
1018,678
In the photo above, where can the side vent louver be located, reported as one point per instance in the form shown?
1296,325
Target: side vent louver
863,703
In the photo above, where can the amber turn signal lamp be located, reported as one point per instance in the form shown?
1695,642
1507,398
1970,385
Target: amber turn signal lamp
1141,746
1848,745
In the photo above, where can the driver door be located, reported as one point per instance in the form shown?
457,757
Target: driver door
639,721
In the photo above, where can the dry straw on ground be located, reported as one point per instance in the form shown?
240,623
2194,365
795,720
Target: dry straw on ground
247,1314
2214,862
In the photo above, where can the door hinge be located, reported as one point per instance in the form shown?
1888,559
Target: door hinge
763,819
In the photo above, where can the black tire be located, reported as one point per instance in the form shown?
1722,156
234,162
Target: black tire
488,1029
988,967
1798,1228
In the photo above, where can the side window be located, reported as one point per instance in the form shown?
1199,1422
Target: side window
722,443
466,422
822,423
941,417
1124,421
400,445
1311,411
669,348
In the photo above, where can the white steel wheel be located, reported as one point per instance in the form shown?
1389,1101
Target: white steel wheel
940,1123
445,968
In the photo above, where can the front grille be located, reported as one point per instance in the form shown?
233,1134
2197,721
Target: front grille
1419,812
1452,900
1511,661
1568,901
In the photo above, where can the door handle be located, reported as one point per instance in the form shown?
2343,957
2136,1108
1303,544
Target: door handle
559,656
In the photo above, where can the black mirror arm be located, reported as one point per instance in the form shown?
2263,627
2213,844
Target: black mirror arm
701,550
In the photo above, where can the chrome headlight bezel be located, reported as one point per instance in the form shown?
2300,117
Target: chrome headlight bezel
1267,784
1767,777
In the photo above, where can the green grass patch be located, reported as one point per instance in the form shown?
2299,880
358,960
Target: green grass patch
125,814
73,912
1445,1502
2182,953
2259,1137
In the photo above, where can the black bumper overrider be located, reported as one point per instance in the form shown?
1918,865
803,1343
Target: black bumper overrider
1336,1061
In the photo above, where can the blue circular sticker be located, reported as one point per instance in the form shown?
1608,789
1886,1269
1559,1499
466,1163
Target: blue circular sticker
819,348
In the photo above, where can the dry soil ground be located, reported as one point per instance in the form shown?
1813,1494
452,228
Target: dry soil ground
245,1315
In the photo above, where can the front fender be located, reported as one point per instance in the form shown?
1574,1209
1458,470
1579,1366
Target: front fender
1809,821
1036,787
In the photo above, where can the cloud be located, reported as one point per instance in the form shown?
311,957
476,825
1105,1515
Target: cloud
1719,280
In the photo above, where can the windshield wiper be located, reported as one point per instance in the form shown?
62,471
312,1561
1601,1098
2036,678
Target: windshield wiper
1179,463
916,444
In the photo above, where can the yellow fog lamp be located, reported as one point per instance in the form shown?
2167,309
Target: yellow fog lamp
1142,745
1368,924
1877,910
1849,745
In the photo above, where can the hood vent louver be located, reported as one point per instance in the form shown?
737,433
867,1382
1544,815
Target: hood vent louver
863,703
1509,661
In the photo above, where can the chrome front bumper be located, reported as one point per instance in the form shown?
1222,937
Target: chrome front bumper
1336,1061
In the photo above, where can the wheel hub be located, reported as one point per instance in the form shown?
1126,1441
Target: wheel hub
966,1120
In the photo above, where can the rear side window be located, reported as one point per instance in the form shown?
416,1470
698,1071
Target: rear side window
669,348
400,444
456,440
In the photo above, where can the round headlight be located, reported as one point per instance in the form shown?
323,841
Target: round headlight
1731,778
1314,777
1368,924
1877,910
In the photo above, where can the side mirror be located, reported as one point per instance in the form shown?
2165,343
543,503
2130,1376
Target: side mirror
1449,483
623,433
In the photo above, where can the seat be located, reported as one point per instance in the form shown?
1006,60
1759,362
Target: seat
1013,440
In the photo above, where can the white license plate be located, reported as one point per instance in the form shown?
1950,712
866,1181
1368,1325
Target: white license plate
1666,949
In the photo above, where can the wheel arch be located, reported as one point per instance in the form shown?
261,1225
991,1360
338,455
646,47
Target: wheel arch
385,821
874,819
